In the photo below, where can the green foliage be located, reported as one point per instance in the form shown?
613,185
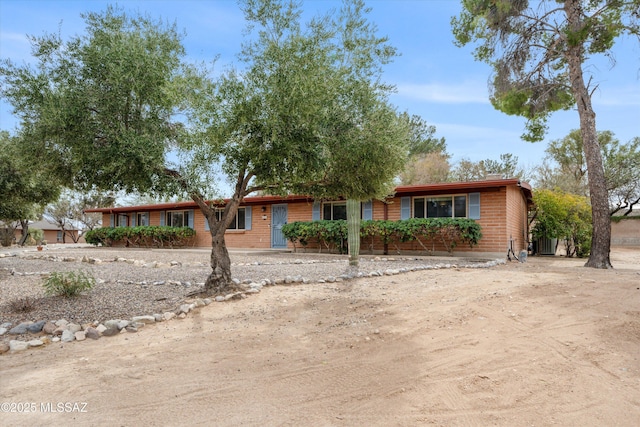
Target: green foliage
422,139
530,48
99,108
506,167
24,189
141,236
566,168
307,113
37,235
563,216
449,232
7,235
68,284
328,234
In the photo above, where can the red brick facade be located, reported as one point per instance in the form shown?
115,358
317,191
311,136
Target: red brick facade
503,206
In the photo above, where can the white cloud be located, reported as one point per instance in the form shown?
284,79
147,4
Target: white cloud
462,93
623,96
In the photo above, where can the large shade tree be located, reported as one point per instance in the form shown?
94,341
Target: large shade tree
25,188
306,111
566,168
538,51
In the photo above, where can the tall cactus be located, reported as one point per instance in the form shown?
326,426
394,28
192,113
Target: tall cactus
353,230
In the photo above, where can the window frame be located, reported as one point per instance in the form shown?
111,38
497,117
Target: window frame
431,198
142,215
333,205
118,220
168,220
234,226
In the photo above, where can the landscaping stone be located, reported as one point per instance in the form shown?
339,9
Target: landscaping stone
67,336
15,345
20,329
34,328
92,333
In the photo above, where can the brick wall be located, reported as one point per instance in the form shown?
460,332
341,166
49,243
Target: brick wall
503,214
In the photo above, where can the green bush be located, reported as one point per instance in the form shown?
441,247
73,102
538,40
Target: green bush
68,284
36,235
425,231
563,216
141,236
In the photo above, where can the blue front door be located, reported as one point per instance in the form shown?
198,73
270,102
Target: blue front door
278,219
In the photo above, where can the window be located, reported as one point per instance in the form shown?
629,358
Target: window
59,236
334,210
239,221
177,219
440,207
122,220
142,218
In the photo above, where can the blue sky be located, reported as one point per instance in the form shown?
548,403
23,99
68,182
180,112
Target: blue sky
436,80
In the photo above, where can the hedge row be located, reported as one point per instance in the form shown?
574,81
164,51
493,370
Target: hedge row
141,236
427,232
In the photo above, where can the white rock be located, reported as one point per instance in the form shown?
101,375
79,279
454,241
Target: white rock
169,315
143,319
35,343
80,336
73,327
101,328
3,331
67,336
15,345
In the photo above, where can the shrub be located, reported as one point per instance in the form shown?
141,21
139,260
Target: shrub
25,304
36,235
448,232
68,284
563,216
141,236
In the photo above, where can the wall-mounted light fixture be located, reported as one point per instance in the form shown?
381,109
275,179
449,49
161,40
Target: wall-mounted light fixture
263,209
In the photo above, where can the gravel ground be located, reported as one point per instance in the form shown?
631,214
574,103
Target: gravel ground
133,282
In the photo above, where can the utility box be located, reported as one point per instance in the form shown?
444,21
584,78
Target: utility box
547,246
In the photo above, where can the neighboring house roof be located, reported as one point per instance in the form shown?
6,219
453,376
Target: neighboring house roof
404,190
46,225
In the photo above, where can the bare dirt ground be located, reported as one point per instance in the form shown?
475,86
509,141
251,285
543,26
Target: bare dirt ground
547,342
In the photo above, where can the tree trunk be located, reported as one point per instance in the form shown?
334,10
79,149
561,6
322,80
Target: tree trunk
219,281
601,242
25,232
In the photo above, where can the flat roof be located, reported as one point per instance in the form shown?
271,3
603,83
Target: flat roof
403,190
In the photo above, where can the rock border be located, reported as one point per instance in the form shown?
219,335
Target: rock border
46,332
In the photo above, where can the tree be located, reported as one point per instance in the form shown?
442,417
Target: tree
623,174
570,171
68,212
506,167
24,188
428,158
538,54
563,216
422,139
308,113
426,168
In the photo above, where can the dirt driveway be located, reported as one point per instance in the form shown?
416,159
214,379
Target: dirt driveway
543,343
